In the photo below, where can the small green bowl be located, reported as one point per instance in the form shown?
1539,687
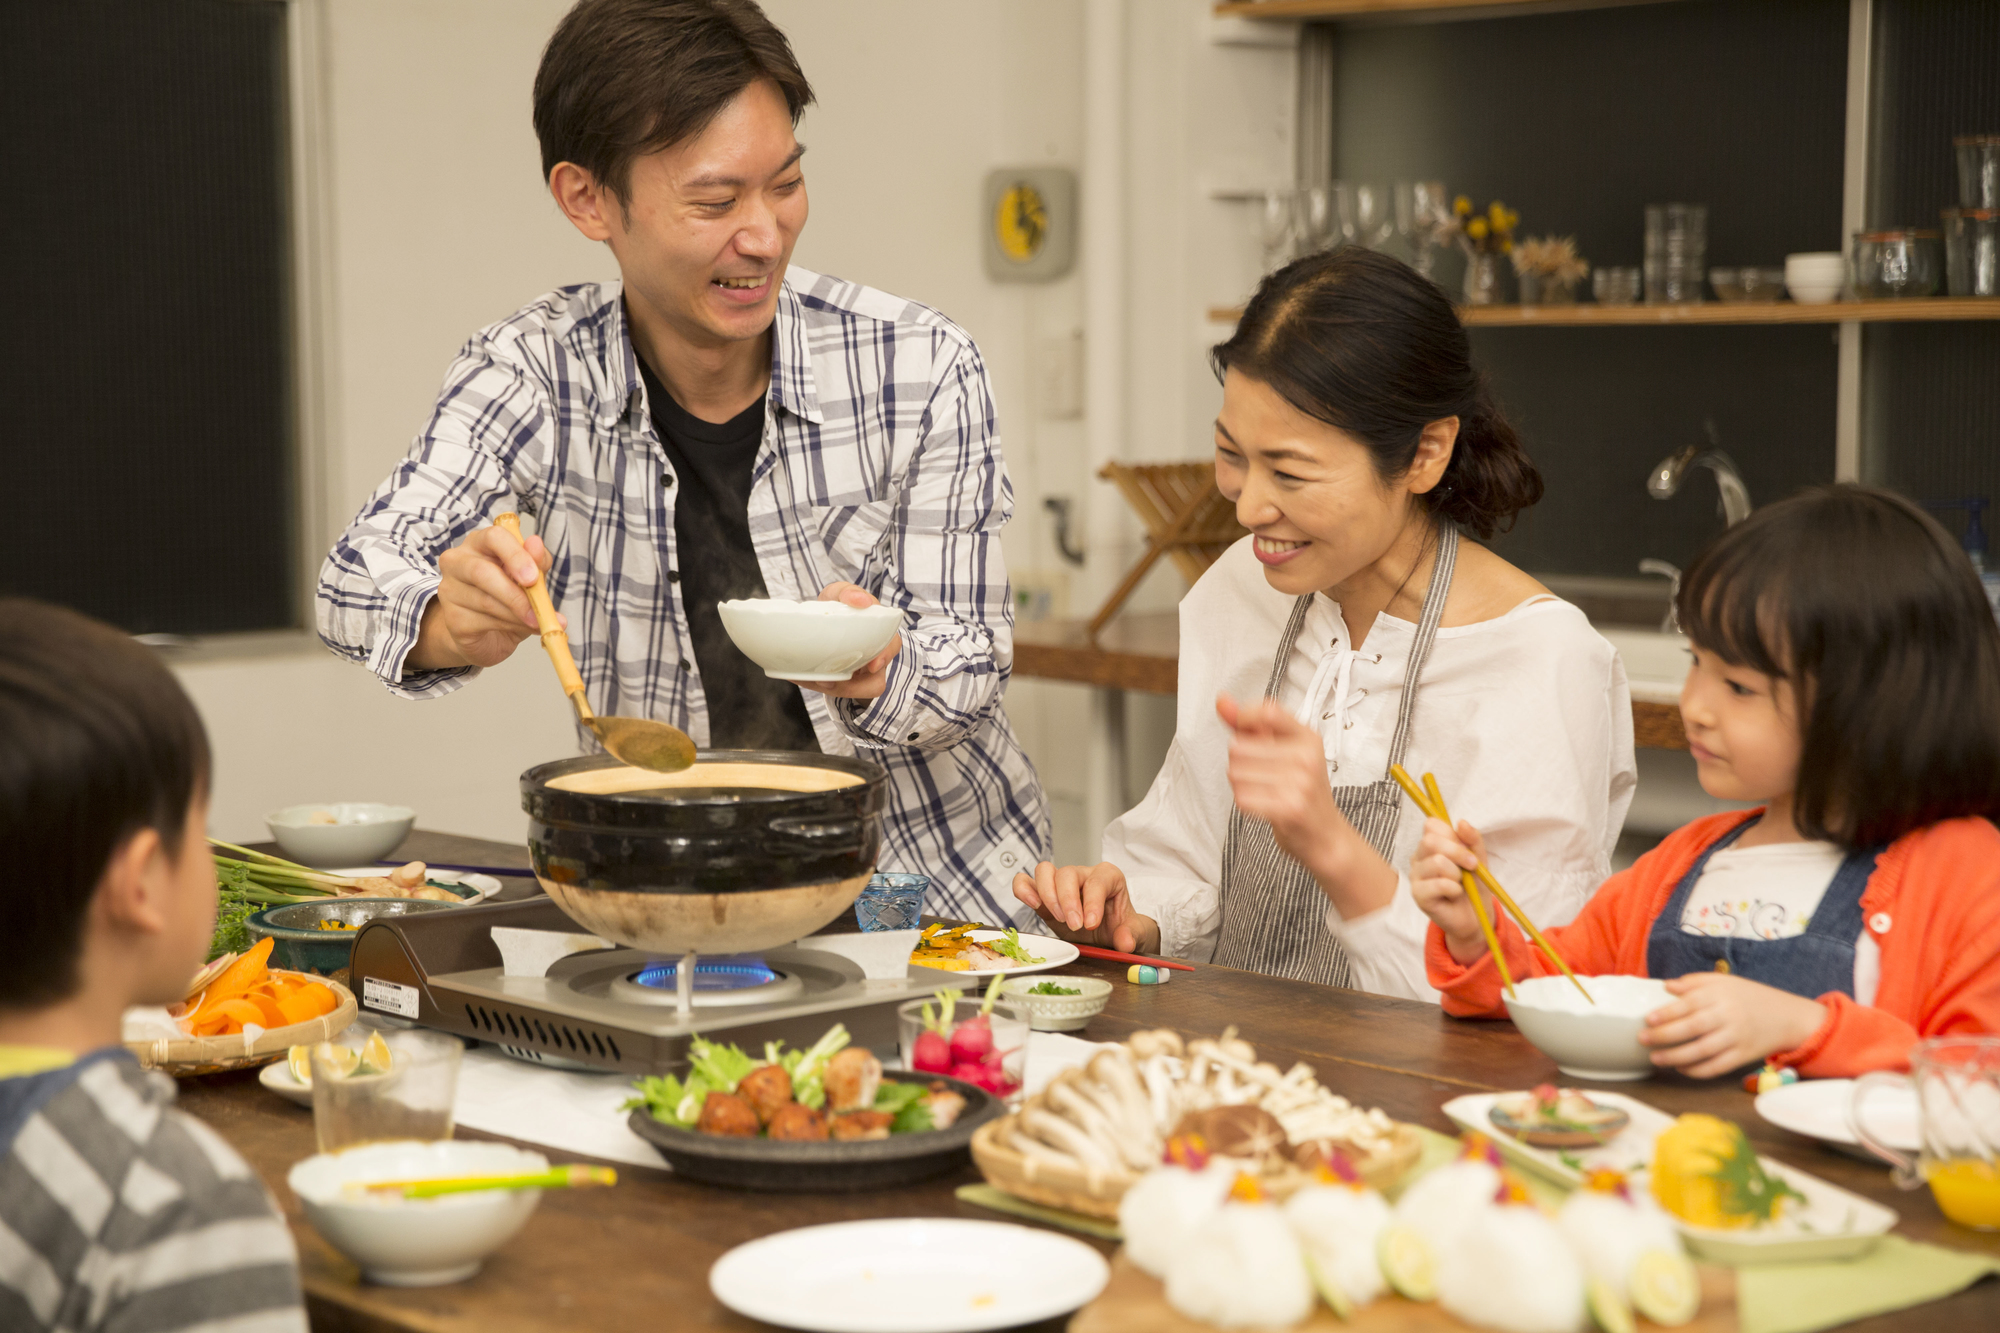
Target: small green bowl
301,946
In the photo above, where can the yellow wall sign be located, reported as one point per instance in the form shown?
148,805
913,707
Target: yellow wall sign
1030,223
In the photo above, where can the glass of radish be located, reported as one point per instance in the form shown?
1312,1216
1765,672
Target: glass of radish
982,1040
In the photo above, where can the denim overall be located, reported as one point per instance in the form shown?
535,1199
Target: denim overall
1811,964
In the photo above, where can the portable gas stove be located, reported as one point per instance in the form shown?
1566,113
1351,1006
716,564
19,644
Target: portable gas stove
621,1008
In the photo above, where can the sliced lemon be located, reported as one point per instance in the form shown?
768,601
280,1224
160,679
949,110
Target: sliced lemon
1407,1262
299,1059
1329,1290
375,1056
1665,1287
1607,1307
339,1060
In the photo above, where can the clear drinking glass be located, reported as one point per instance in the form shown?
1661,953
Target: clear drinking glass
1978,170
1676,253
892,902
1957,1082
1614,285
1422,213
1972,251
413,1100
1314,218
1277,227
1374,213
954,1037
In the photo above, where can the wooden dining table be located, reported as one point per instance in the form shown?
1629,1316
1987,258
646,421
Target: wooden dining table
636,1257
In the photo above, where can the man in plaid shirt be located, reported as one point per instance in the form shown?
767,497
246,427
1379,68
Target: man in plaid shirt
718,424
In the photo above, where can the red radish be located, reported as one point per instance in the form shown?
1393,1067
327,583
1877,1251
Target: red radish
931,1054
971,1041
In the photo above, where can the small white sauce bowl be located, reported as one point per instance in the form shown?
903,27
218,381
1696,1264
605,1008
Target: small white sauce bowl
416,1242
362,832
1059,1013
1595,1041
808,640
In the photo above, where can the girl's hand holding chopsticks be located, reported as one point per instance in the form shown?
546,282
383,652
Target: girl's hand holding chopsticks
1437,872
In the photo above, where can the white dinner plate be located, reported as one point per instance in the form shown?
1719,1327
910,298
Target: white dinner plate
278,1077
1053,953
1831,1223
1817,1108
482,886
908,1275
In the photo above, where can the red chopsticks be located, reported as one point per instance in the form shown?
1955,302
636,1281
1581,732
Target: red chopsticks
1113,956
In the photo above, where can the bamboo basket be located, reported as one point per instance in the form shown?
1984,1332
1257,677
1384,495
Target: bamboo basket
1097,1193
185,1057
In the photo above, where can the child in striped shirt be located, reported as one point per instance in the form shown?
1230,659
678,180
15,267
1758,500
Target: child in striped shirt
117,1212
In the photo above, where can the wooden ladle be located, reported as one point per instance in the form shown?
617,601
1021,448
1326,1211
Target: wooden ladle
640,742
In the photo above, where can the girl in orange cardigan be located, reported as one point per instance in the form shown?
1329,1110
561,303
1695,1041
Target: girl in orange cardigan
1846,676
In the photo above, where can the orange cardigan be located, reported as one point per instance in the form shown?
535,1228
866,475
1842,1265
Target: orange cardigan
1933,905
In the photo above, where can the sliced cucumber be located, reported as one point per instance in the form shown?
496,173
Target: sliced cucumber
1329,1290
1408,1263
1607,1307
1665,1287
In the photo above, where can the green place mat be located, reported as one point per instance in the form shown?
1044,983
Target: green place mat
985,1196
1896,1274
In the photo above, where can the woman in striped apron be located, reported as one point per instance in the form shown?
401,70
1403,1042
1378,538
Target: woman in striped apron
1359,626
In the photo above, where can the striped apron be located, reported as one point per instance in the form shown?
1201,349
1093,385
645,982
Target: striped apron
1273,910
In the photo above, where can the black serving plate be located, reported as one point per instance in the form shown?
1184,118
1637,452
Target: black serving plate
824,1168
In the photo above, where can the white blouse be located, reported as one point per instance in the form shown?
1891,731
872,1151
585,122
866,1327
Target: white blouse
1525,719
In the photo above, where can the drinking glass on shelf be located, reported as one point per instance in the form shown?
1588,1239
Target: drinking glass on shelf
1374,214
1422,214
360,1103
1314,218
1277,227
1676,253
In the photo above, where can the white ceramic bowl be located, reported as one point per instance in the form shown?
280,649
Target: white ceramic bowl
362,831
1059,1013
1599,1041
416,1242
808,640
1816,277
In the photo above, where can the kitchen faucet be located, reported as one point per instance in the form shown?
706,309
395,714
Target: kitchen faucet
1666,481
1667,477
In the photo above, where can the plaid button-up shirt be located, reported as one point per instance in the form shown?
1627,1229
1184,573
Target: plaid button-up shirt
880,465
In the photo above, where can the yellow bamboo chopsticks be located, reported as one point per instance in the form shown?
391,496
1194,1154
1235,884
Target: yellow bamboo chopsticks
1431,802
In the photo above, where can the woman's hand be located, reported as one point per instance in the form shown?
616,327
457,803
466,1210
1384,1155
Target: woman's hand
1277,771
1722,1022
1436,882
871,679
1089,905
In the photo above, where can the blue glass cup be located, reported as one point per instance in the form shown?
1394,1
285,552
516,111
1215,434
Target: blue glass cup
892,902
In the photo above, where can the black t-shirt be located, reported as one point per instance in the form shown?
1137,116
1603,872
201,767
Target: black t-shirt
747,710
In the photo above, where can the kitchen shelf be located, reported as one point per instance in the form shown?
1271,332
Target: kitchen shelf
1709,312
1292,11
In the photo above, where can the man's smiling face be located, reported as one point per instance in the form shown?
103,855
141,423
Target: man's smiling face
710,222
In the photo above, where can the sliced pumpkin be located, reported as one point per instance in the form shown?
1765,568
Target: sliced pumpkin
228,1017
239,976
323,999
274,1014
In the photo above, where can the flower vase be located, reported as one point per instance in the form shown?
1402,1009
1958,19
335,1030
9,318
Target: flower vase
1540,289
1482,279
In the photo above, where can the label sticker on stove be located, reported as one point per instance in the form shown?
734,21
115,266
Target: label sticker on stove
391,997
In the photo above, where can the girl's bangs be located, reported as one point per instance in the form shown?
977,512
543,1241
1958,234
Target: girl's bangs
1729,605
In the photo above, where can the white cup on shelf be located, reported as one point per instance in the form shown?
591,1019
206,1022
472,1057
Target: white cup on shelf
1816,277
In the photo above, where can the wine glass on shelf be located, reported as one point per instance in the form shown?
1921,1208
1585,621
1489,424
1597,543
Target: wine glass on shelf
1423,214
1374,214
1277,227
1315,218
